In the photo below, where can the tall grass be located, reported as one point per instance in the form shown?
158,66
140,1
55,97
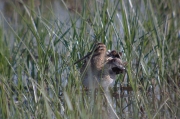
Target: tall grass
38,77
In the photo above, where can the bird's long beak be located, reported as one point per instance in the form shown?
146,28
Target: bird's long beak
83,57
93,49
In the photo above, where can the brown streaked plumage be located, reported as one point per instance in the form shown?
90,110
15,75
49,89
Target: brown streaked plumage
101,67
93,66
114,66
114,54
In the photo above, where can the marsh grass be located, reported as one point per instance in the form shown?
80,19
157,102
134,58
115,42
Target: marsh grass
38,77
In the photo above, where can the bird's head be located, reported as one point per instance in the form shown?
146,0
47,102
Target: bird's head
100,48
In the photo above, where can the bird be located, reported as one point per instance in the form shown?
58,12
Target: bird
99,70
114,65
118,66
101,67
93,67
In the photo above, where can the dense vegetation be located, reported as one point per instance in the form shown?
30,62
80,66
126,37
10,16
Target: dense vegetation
38,78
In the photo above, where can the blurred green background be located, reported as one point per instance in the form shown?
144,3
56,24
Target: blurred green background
41,39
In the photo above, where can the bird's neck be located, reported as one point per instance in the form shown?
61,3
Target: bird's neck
98,62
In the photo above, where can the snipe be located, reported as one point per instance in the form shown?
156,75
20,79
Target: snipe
101,67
